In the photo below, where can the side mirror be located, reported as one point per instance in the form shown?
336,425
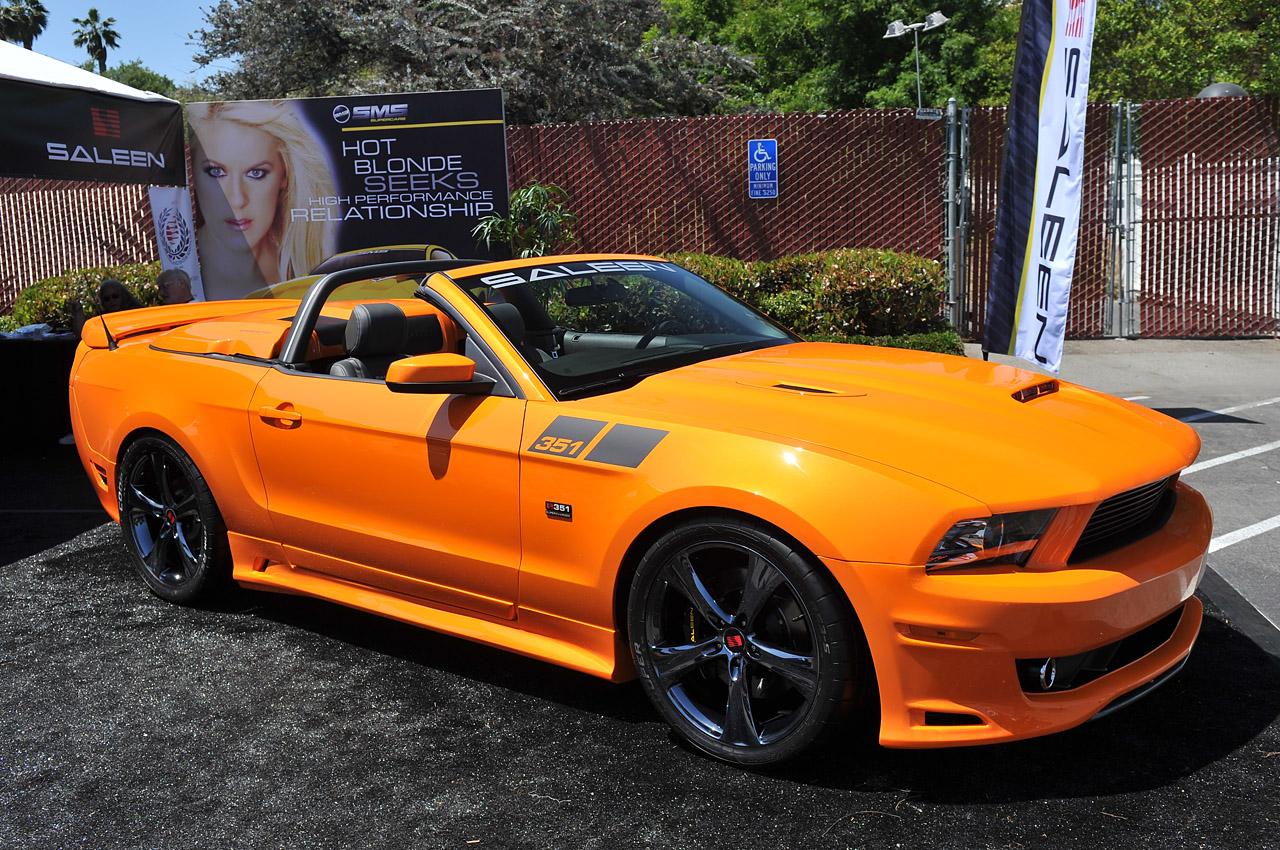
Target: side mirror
444,374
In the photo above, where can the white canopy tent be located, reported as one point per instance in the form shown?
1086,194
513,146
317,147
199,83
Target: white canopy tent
18,63
66,123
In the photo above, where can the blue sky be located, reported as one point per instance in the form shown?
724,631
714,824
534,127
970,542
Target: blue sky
155,32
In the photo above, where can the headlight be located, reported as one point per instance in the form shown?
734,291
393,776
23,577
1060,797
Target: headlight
999,539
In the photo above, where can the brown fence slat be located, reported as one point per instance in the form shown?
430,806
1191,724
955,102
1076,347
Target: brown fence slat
50,226
1210,199
866,178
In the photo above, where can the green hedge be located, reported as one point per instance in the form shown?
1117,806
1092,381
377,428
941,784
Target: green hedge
46,300
943,342
846,293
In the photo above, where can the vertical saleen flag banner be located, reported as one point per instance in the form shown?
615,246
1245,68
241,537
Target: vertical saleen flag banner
1038,219
175,233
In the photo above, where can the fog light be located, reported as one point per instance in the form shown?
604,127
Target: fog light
1048,674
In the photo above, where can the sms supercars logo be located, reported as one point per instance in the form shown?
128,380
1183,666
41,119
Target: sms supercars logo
374,114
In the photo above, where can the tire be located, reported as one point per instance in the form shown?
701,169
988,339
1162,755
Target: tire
171,523
746,646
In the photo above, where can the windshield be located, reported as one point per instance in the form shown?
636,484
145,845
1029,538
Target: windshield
589,327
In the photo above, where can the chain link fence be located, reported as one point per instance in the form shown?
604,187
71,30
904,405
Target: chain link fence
869,178
50,226
1204,220
1180,226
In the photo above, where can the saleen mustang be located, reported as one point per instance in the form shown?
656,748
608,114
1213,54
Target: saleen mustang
607,463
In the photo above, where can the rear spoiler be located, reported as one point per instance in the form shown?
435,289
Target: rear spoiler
105,330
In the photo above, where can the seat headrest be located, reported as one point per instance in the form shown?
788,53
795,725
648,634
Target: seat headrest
509,320
423,335
375,330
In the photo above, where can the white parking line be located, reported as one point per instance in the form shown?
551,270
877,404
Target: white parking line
1218,461
1136,397
1196,417
1244,533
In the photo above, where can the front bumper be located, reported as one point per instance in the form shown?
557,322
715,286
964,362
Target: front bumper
945,645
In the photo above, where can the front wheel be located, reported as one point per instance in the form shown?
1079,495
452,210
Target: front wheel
746,646
171,523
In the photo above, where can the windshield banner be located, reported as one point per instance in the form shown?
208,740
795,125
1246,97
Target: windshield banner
1038,216
283,185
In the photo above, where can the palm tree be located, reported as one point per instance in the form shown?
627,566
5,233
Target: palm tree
23,20
96,35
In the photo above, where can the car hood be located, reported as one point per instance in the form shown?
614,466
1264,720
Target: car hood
951,420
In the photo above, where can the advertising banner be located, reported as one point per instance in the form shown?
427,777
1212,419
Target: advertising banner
282,185
176,233
74,134
1038,216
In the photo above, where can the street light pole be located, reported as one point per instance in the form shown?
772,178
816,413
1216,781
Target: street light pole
915,31
931,21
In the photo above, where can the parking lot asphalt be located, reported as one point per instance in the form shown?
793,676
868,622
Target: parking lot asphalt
276,721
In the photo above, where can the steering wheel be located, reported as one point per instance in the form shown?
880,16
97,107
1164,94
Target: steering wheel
668,325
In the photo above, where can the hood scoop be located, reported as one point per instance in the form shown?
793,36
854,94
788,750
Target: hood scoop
797,388
1026,394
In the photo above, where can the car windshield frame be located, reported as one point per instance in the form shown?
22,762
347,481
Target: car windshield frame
712,323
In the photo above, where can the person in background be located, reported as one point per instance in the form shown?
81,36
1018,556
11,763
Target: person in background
112,297
174,286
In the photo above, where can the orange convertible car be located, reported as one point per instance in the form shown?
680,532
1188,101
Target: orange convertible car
607,463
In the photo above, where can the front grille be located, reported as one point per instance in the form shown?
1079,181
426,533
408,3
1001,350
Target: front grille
1126,517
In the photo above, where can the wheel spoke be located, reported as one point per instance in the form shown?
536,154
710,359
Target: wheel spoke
155,559
696,592
673,663
151,505
739,722
798,670
762,580
189,561
186,507
162,475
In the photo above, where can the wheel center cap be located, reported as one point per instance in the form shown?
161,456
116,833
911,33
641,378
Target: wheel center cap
170,517
734,640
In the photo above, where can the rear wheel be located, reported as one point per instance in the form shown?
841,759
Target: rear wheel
171,523
746,646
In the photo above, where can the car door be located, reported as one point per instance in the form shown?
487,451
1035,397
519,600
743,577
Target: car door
416,494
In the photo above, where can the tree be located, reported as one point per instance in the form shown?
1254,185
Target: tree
556,60
139,76
23,21
814,54
1144,50
96,34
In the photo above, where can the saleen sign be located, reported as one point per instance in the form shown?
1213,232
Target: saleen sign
72,134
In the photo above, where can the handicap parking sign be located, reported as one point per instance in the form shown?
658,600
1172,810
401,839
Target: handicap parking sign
762,168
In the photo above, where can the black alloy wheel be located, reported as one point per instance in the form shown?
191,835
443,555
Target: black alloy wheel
745,645
170,521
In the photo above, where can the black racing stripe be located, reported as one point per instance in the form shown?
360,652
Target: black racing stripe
570,428
626,445
1018,176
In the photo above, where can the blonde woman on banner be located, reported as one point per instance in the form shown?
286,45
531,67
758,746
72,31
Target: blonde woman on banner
255,162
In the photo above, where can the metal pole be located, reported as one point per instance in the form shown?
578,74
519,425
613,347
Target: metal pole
949,199
1132,326
919,100
1115,263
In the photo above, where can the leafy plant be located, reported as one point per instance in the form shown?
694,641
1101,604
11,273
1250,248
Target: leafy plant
539,222
46,300
846,292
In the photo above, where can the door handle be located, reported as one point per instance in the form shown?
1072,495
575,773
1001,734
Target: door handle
280,418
